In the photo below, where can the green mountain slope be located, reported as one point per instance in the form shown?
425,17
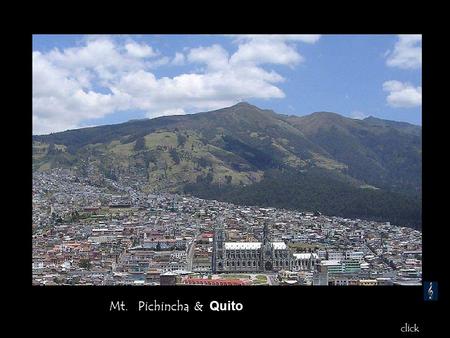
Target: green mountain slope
385,154
248,155
318,190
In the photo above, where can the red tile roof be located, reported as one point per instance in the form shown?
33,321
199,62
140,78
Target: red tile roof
221,281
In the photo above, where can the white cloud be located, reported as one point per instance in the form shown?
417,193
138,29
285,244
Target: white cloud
402,95
215,57
103,76
101,57
61,99
178,59
277,49
139,50
407,53
158,62
261,51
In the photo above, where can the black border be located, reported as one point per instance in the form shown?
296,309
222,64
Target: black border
336,310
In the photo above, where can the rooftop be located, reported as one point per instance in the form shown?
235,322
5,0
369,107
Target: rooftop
252,245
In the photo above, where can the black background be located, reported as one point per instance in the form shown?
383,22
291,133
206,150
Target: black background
346,311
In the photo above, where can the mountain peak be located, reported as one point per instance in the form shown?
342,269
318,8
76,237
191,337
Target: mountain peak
239,107
370,118
244,104
326,114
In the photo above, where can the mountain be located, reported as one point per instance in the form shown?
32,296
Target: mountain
367,168
400,126
385,154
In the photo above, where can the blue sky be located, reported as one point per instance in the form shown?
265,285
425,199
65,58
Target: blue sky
93,80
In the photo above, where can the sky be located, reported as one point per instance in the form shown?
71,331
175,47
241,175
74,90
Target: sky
89,80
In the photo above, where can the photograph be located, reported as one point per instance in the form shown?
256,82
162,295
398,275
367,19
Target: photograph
227,160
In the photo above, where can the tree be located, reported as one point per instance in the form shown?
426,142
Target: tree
209,178
203,162
165,167
140,144
174,154
181,139
85,263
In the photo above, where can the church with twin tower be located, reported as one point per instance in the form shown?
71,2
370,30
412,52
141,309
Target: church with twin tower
264,256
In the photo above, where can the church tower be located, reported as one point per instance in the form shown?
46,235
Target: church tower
218,247
265,236
266,250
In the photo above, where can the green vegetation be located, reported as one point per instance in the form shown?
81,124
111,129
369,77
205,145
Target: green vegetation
181,140
368,168
384,154
260,279
85,263
240,276
317,190
140,144
174,155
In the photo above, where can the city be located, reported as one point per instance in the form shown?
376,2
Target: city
113,233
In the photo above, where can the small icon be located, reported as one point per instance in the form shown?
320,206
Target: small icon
430,291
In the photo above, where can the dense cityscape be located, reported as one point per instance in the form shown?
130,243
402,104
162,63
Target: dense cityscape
87,233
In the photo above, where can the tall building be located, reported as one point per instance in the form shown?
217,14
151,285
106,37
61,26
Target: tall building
218,248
